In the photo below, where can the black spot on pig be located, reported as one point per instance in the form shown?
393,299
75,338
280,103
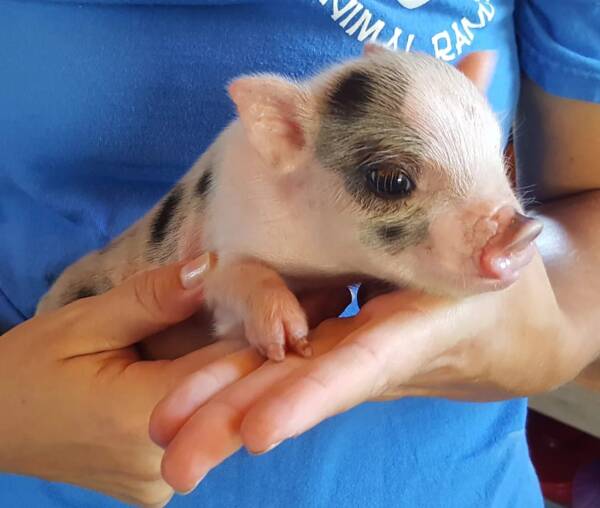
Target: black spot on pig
392,233
363,124
396,236
165,215
204,184
352,95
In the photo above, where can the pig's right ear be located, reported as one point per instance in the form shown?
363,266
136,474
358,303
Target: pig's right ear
275,115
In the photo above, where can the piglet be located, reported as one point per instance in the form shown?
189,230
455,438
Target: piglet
388,166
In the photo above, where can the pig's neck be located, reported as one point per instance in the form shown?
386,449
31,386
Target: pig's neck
256,212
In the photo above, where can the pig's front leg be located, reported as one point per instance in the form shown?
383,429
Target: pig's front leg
250,294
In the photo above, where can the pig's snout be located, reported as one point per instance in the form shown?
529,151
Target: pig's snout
511,247
477,247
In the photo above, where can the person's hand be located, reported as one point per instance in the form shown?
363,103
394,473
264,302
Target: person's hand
488,347
75,399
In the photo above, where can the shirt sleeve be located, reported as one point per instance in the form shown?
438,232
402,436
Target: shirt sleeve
559,46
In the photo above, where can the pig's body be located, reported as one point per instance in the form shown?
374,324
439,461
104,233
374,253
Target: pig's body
361,172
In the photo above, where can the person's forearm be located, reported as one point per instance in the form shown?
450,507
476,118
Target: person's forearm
570,247
557,156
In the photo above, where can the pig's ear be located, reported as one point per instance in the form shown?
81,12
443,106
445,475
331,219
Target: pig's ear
479,68
274,113
372,48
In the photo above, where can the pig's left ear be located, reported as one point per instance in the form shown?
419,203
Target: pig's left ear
275,114
479,68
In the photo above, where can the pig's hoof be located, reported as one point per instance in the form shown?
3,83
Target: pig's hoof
276,321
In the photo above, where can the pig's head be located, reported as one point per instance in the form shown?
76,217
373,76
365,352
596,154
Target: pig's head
402,157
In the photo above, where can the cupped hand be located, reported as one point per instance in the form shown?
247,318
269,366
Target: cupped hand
75,398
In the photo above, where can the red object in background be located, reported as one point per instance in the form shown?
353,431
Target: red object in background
558,452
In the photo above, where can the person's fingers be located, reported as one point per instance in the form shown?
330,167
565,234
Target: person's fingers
335,382
196,360
143,305
376,354
199,385
179,405
321,304
479,67
212,433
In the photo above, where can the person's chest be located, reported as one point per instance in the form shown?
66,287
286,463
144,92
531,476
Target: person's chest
145,85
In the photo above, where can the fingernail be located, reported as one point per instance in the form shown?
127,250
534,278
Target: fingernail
267,450
193,488
193,273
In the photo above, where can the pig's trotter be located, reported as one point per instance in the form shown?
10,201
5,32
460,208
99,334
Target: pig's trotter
275,319
251,294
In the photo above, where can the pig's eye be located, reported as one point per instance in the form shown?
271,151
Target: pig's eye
389,182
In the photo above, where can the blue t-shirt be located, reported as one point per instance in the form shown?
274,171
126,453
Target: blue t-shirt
105,104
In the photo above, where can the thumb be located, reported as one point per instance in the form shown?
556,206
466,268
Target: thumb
143,305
